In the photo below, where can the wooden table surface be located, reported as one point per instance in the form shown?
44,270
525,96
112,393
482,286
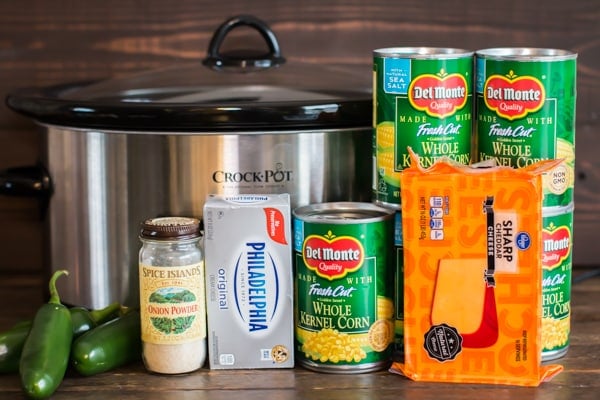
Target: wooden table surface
21,295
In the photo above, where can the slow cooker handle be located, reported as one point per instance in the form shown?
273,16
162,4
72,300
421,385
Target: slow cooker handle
246,59
28,181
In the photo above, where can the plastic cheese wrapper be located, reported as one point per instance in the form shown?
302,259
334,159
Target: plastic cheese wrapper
473,274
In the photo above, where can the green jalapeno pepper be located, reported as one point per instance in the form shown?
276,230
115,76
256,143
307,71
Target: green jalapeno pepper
108,346
84,319
12,340
11,345
45,354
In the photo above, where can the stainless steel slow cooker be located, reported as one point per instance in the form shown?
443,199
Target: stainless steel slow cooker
123,150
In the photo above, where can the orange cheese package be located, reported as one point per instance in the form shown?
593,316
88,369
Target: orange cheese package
473,274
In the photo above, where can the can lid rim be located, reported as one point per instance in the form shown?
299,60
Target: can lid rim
342,212
526,53
423,52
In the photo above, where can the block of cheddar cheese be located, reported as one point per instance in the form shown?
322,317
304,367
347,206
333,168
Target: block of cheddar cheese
472,281
459,294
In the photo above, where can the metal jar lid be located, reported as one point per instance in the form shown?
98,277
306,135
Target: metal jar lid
170,228
230,90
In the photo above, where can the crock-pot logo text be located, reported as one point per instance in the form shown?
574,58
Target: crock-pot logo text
275,175
438,95
332,257
557,245
513,96
257,287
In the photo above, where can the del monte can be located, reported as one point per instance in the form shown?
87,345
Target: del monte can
344,286
422,99
525,112
557,264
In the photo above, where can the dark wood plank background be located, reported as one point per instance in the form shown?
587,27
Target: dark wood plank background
44,42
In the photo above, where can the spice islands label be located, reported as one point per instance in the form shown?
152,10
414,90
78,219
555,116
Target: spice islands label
172,304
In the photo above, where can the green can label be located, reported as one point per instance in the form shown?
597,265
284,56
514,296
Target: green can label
344,294
399,286
557,237
422,100
526,113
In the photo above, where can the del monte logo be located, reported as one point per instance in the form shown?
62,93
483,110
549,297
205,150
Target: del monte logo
557,245
438,95
513,96
332,257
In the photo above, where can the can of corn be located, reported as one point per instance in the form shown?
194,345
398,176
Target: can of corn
422,99
557,239
399,287
525,112
344,280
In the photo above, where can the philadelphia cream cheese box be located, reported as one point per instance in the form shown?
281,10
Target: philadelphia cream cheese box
249,281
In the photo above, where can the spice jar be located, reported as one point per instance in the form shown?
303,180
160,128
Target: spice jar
172,295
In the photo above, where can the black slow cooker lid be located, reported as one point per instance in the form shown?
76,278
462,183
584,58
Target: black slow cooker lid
228,91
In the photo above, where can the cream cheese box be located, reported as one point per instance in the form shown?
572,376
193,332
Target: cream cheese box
249,281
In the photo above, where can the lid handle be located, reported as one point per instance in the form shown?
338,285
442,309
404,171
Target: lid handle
247,59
